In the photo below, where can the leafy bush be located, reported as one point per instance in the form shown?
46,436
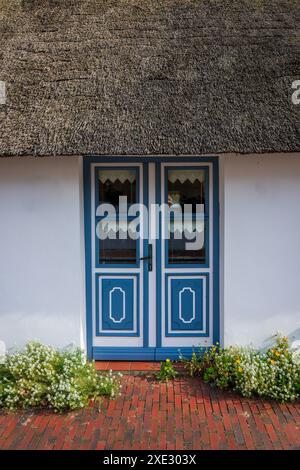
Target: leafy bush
43,376
274,374
193,366
167,371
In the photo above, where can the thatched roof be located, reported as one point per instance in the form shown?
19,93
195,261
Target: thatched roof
149,76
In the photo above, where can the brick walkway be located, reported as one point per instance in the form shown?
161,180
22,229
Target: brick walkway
128,366
184,414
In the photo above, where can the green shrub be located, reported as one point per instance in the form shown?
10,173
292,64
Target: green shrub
200,363
193,366
43,376
167,371
274,374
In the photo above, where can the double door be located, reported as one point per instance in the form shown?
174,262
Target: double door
152,257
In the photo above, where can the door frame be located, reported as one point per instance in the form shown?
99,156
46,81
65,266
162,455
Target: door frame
145,352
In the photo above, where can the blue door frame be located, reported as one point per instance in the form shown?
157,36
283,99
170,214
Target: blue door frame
145,352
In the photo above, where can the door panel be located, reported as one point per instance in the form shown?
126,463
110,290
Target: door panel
187,307
185,267
149,297
118,299
117,305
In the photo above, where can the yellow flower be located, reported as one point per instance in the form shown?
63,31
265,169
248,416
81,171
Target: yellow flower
272,361
238,361
168,360
241,369
277,353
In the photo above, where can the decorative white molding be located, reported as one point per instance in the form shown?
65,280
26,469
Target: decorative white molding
194,305
123,302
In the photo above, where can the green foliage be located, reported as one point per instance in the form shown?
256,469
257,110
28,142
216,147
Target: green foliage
167,371
199,362
43,376
274,374
193,366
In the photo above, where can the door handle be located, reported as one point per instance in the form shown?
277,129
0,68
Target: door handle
148,258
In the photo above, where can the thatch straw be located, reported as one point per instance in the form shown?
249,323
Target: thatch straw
149,76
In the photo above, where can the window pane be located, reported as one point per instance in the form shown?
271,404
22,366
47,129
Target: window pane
186,187
186,244
115,246
114,183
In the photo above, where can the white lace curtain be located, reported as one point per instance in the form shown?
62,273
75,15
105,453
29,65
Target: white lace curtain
186,175
117,175
189,226
130,175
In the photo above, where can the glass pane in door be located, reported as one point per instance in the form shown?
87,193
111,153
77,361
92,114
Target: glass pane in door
188,207
115,245
186,187
114,182
186,243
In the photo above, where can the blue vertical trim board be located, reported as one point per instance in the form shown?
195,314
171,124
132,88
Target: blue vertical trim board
145,352
145,263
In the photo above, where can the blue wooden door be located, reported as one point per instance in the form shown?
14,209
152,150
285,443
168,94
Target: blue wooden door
187,258
152,285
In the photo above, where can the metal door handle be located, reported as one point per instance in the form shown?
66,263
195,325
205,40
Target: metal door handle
148,258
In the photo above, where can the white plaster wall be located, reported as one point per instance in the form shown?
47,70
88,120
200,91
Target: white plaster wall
261,247
41,259
42,254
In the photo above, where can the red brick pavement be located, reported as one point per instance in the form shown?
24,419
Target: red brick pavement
128,366
184,414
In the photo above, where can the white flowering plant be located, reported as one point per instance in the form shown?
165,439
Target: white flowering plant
272,374
43,376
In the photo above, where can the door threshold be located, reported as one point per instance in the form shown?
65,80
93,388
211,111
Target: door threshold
124,354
